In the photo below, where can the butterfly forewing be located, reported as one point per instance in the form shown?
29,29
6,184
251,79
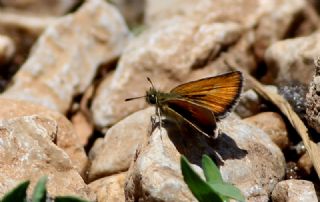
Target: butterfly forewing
217,94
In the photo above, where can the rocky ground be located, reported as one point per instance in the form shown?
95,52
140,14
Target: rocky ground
66,67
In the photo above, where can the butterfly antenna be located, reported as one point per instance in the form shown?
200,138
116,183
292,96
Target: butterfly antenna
133,98
150,82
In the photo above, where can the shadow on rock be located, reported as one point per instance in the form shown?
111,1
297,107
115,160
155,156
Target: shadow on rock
192,144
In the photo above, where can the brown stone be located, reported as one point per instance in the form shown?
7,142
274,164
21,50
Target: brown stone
82,126
272,124
305,163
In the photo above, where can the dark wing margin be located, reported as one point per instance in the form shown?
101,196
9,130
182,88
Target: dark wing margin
198,117
218,94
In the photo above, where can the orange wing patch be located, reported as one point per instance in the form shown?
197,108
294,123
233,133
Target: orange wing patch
217,94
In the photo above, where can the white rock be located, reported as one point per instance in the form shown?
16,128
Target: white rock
27,152
246,155
7,49
292,59
294,191
56,7
67,55
167,54
115,153
109,189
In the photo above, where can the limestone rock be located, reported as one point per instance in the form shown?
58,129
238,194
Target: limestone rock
249,104
294,191
20,21
65,137
292,59
166,53
155,173
244,11
269,20
57,7
313,100
62,64
27,152
132,11
119,146
272,124
82,126
7,49
109,189
261,168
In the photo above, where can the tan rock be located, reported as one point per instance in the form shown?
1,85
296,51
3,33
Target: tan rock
155,174
294,191
67,55
66,138
262,166
27,153
132,11
7,49
166,53
313,99
292,59
269,20
82,126
57,7
249,104
305,163
109,189
272,124
19,21
119,146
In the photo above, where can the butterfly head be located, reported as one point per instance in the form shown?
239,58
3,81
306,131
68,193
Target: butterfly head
151,96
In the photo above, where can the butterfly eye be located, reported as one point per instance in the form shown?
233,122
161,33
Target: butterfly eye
151,98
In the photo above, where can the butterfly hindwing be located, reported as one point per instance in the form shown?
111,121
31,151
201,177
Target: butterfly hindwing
218,94
199,117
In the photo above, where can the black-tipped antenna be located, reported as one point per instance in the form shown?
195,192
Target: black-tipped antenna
150,82
133,98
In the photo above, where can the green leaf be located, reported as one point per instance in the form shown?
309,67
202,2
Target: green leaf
18,194
40,192
227,190
200,189
210,170
68,199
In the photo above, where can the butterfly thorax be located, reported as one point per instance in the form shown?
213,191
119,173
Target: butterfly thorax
155,97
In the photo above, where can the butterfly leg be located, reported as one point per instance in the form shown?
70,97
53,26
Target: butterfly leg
160,120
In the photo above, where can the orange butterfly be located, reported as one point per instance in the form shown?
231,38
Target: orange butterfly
200,103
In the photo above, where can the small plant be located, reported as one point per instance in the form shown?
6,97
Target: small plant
214,188
19,194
